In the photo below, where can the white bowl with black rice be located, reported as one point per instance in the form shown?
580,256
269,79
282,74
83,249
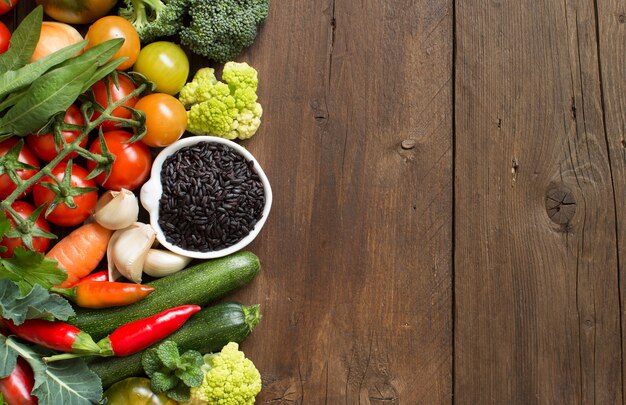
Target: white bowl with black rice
207,197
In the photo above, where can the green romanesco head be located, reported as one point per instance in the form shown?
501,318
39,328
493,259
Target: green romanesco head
227,109
230,379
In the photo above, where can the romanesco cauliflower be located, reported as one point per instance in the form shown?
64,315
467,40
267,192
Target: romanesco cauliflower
231,379
227,109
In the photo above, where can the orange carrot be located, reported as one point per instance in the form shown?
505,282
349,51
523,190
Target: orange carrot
80,252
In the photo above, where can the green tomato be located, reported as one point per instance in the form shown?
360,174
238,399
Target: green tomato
135,391
165,64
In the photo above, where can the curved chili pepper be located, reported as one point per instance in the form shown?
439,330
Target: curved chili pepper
17,386
97,276
54,335
136,336
104,294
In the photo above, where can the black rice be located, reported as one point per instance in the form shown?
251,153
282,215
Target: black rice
212,197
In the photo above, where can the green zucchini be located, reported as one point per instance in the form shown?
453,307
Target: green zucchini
207,331
198,285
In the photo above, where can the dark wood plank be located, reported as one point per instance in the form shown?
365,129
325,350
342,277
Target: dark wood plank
356,280
536,265
611,50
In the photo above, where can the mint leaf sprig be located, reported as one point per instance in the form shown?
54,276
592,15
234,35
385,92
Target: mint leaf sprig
173,373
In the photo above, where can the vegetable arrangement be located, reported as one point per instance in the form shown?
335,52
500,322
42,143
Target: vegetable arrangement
79,123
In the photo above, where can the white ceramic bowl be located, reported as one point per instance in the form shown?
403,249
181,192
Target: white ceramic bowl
152,190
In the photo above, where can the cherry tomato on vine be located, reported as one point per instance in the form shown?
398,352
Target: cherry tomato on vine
85,203
6,6
43,145
26,156
132,161
40,244
166,119
165,64
111,27
5,37
123,88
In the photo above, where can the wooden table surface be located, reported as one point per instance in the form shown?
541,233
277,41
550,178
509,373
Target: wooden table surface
449,182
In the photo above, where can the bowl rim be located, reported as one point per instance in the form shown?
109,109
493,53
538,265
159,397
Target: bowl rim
152,190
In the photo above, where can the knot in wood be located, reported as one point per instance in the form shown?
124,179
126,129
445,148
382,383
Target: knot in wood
560,203
408,144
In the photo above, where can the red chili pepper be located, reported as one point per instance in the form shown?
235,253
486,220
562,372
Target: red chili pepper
97,276
16,387
136,336
104,294
54,335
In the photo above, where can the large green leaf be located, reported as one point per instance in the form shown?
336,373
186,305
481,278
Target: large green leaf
53,92
68,382
37,304
23,42
28,268
13,80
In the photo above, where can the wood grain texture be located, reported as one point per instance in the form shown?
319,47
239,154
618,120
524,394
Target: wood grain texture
538,309
356,281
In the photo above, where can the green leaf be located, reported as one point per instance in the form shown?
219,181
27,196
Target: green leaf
14,80
191,377
168,354
51,93
2,400
103,72
179,393
8,357
161,382
68,382
37,304
27,268
151,362
23,42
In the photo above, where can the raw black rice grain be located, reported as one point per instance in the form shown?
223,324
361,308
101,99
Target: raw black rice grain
212,197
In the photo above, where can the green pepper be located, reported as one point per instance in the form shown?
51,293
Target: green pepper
135,391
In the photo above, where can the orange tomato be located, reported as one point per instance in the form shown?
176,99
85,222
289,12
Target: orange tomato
111,27
166,119
55,36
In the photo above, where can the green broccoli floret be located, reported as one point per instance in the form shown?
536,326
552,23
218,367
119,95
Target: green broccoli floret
226,109
230,379
154,18
221,29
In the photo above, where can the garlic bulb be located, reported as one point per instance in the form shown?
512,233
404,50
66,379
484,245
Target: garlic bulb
127,251
117,209
161,263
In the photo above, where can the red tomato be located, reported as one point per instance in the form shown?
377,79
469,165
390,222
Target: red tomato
132,161
166,119
111,27
63,215
124,88
43,145
4,7
5,37
26,156
40,244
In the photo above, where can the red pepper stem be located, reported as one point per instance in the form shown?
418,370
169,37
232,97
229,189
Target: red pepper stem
69,293
83,343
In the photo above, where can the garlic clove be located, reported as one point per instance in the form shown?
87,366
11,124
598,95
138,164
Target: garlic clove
114,274
161,263
129,251
117,209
